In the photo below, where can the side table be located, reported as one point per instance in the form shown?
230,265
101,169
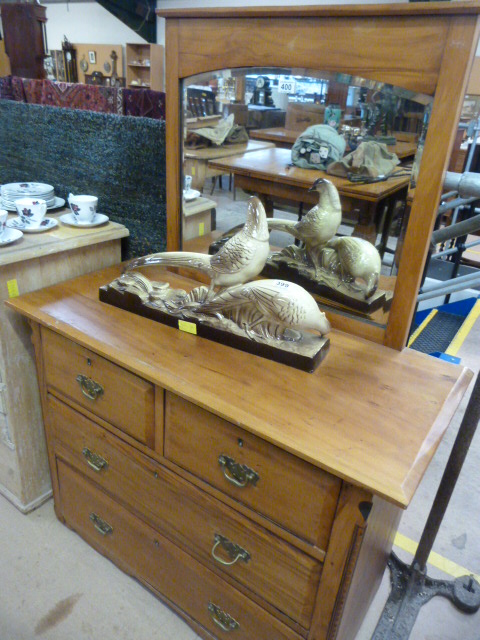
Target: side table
199,217
33,262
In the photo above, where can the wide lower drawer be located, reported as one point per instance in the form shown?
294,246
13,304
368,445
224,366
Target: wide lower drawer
112,393
141,550
288,490
223,539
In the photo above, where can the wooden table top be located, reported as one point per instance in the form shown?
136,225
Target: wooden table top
61,238
288,136
369,414
226,151
274,165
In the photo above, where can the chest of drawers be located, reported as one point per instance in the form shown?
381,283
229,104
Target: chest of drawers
221,480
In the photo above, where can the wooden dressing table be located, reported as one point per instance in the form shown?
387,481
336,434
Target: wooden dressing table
241,491
258,501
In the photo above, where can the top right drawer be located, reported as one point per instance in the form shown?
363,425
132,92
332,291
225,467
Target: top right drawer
293,493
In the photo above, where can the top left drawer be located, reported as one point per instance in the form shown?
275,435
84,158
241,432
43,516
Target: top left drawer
110,392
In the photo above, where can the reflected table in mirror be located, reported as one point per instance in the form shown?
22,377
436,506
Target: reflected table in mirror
197,161
285,139
270,174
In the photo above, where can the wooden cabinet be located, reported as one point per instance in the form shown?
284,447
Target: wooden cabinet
25,40
145,67
37,260
275,492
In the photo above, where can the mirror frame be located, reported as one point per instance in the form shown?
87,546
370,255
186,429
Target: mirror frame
424,47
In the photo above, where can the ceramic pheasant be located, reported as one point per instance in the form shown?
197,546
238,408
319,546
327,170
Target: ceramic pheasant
239,260
319,225
270,305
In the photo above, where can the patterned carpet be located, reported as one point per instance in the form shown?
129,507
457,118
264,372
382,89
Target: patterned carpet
139,102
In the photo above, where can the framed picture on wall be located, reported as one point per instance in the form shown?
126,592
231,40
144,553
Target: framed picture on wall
92,57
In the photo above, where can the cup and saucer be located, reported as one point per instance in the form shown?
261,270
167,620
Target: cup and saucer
83,212
31,216
7,235
70,219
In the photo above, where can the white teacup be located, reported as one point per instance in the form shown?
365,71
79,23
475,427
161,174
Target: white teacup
84,208
31,211
3,220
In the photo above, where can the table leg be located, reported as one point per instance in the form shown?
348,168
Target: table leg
267,204
365,227
392,202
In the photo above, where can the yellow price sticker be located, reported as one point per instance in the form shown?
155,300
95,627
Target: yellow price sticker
12,286
188,327
201,229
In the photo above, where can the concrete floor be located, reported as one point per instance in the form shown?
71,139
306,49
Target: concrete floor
54,586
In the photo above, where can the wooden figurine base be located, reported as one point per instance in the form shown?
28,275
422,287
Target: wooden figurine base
305,355
379,300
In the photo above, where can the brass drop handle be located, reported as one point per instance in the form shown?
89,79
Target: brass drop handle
234,551
100,525
221,618
94,460
91,389
238,474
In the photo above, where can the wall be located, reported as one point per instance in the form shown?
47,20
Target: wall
85,22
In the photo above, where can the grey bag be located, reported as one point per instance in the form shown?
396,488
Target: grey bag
317,147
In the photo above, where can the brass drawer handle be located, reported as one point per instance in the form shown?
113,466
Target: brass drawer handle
100,525
89,387
222,619
235,551
95,461
238,474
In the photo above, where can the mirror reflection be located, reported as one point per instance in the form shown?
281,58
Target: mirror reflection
333,159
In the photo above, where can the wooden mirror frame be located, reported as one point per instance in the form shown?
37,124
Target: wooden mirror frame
424,47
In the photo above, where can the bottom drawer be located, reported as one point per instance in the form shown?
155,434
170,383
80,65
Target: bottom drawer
140,550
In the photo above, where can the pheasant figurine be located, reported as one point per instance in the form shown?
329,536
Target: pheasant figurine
239,260
319,225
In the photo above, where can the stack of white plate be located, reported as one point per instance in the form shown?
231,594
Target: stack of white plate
16,190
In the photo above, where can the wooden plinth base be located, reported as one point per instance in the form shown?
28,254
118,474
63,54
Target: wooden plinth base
305,355
282,271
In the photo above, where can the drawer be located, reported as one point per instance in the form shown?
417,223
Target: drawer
142,551
288,490
274,570
121,398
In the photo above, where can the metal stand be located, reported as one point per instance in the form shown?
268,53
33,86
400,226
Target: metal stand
411,587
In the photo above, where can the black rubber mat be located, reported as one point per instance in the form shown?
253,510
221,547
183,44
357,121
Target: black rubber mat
439,333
